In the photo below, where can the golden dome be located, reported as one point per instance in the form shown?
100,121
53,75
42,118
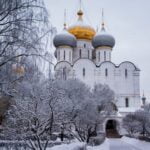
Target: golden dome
80,30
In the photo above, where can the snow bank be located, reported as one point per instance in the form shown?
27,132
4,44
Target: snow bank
136,143
76,146
73,146
104,146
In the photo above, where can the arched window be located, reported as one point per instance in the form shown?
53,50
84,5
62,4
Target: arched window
64,74
104,55
126,73
127,102
106,72
99,56
64,55
80,53
83,72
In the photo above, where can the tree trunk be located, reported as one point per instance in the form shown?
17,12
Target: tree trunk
1,119
62,136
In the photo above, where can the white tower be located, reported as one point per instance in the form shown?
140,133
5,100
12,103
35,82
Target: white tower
84,34
64,43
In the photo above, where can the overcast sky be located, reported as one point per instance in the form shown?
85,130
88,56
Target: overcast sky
127,20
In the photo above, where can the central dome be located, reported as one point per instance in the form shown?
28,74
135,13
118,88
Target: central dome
81,30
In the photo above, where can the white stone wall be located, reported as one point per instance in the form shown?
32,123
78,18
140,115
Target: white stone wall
86,49
89,67
61,67
124,87
103,54
64,54
123,79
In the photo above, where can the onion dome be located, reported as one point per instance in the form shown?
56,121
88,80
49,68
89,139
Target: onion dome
64,39
103,39
81,30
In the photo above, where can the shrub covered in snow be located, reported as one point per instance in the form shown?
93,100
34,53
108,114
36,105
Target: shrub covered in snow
131,124
138,122
80,147
82,99
98,140
45,107
73,146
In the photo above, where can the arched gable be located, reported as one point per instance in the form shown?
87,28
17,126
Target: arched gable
62,63
128,64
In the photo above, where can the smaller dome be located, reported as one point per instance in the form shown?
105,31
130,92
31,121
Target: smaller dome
103,39
64,39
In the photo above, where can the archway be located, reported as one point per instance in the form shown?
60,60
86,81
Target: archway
111,129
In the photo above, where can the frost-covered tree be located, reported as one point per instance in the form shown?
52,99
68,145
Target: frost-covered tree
104,98
5,102
33,115
138,122
42,107
131,124
147,110
86,108
75,98
142,116
24,31
20,27
24,35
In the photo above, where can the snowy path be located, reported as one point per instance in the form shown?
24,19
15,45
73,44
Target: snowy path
118,144
123,143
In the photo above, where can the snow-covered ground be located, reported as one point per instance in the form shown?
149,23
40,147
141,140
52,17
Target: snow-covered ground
118,144
73,146
140,145
124,143
104,146
76,146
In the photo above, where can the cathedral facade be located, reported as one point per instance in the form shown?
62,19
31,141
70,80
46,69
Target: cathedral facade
84,54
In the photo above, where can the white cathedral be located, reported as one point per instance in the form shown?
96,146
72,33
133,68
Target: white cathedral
84,54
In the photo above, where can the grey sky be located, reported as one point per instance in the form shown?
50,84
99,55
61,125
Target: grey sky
127,20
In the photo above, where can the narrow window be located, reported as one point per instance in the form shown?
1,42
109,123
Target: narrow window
64,74
106,72
84,45
127,102
80,53
64,55
109,56
99,56
126,73
70,56
104,56
88,54
83,72
58,55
